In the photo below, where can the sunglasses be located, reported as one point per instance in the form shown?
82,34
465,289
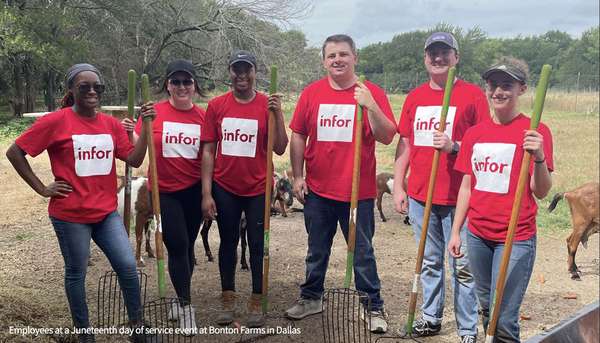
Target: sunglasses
85,88
177,82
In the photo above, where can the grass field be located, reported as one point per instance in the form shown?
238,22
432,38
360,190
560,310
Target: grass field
575,133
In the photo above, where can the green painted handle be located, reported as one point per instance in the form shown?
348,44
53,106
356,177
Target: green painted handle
145,88
359,113
447,94
131,79
161,278
540,96
273,85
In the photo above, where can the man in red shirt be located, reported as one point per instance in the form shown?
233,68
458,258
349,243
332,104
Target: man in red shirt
325,115
419,137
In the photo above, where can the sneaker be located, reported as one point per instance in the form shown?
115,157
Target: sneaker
187,320
468,339
377,321
225,316
174,311
256,318
305,307
422,328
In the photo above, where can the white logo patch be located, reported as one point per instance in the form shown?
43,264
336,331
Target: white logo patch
335,123
239,137
492,164
93,154
180,140
427,120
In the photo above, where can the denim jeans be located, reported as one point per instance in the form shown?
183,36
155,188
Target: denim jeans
321,216
433,273
109,234
485,258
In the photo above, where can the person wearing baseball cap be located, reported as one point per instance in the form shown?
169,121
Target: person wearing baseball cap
490,162
234,172
177,131
419,137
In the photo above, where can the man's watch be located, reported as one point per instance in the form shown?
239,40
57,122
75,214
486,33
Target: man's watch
455,148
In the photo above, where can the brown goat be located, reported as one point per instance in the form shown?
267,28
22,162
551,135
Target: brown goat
583,204
385,184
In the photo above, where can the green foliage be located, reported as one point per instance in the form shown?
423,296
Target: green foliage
398,64
11,127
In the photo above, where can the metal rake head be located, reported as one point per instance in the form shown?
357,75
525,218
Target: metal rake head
163,320
345,316
111,305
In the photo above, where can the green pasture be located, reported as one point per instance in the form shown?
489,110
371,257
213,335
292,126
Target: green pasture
575,136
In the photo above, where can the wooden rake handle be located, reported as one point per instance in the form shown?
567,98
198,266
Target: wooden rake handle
131,78
358,128
268,192
160,255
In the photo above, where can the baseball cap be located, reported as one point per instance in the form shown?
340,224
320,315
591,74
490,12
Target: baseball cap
242,56
442,37
512,71
181,65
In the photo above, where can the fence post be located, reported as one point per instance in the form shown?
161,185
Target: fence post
577,89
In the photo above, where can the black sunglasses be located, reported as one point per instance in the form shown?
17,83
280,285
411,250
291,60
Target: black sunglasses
185,82
86,88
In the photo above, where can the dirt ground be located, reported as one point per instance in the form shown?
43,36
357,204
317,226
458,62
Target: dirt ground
32,293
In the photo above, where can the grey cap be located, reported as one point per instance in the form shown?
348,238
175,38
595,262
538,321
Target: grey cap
442,37
242,56
511,70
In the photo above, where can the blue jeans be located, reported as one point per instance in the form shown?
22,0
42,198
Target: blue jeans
321,216
433,273
109,234
485,258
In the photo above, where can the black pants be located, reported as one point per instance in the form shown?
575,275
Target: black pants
181,216
229,209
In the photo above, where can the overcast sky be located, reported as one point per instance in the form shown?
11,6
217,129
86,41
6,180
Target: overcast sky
372,21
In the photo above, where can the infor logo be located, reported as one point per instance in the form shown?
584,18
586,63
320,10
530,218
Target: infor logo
427,120
239,137
492,165
180,140
335,122
94,154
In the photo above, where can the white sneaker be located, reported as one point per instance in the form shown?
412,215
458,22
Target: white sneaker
305,307
174,311
377,320
187,320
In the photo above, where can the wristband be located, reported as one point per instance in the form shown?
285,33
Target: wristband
539,162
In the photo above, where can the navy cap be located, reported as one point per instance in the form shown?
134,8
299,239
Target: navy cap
442,37
242,56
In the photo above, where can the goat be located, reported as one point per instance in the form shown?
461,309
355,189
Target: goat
583,205
282,193
141,211
207,223
385,184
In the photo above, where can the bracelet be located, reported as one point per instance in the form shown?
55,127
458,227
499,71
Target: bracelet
542,161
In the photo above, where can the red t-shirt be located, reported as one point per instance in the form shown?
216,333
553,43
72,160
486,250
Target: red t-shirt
492,153
326,116
82,153
241,133
420,118
176,136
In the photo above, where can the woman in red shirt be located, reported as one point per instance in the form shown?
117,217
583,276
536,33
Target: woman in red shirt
177,131
490,159
233,178
82,145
